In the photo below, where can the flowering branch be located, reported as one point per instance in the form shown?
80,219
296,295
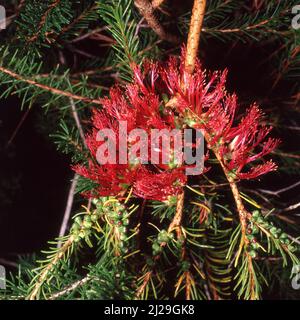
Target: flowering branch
190,62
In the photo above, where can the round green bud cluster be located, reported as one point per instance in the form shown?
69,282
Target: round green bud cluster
81,227
83,224
163,238
252,230
277,233
117,215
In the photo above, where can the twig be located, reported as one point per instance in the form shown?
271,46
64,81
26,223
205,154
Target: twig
43,20
141,289
291,207
188,285
77,121
70,288
88,34
49,267
47,88
194,34
262,23
67,213
147,11
176,222
278,192
157,3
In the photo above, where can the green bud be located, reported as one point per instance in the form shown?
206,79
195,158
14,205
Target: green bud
87,218
121,244
78,220
186,265
292,248
265,225
252,254
87,224
81,234
123,229
123,236
76,238
163,236
87,232
260,220
126,222
250,237
254,245
94,217
255,214
283,236
273,230
255,229
165,98
75,233
156,247
75,227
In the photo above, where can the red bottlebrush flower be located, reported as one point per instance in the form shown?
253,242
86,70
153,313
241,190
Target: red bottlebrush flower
139,106
241,143
165,96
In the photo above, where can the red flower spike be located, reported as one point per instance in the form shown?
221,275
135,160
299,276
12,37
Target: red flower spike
202,102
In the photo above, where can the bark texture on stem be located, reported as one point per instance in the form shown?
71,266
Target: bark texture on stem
176,222
194,34
147,11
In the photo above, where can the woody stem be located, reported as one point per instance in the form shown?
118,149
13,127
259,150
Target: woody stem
194,34
190,62
237,198
192,48
176,222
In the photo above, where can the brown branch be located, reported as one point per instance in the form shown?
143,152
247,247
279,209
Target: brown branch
176,222
191,54
278,192
188,285
141,289
194,34
157,3
47,270
76,20
43,20
234,30
147,11
47,88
